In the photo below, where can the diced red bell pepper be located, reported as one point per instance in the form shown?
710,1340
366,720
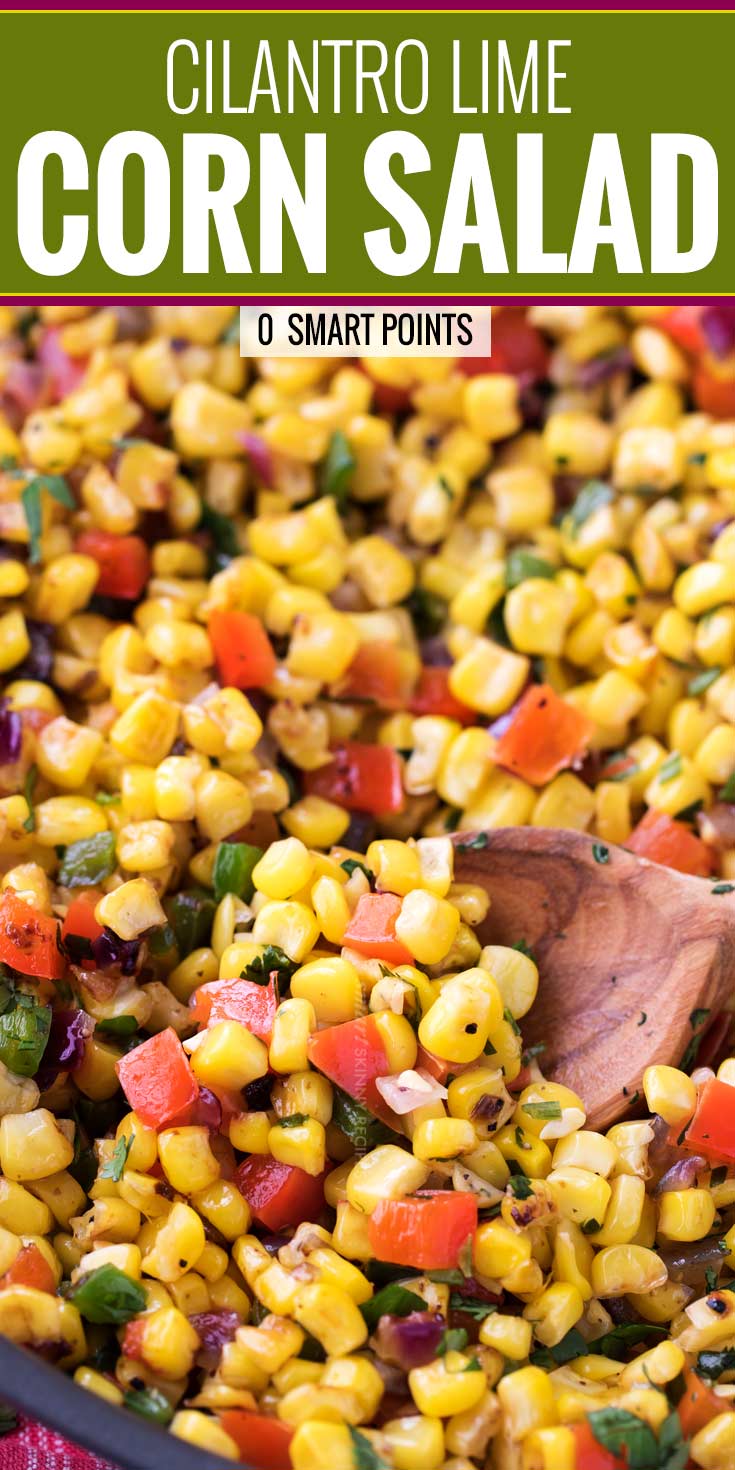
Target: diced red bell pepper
279,1194
242,649
237,1000
389,399
590,1454
697,1405
80,923
124,563
714,394
262,1441
684,324
361,778
516,347
28,940
661,839
437,1067
712,1129
30,1268
430,1230
157,1079
432,696
372,929
64,372
352,1055
379,672
544,737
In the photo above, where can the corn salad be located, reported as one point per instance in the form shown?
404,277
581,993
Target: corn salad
275,1169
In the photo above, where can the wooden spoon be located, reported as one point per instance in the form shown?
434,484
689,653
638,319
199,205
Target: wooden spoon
627,952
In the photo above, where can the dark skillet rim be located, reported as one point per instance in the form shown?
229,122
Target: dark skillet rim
128,1441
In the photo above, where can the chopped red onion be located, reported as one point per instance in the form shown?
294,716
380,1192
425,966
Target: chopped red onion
65,1046
682,1174
214,1329
206,1111
11,736
260,457
718,325
409,1090
598,369
39,662
410,1341
108,951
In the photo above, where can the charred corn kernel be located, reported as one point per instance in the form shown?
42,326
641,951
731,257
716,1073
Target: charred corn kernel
468,1009
443,1138
618,1269
295,1020
487,677
427,925
304,1144
579,1195
331,1316
146,730
130,909
32,1145
686,1214
332,986
384,574
289,925
144,847
187,1159
387,1172
177,1245
284,869
229,1056
64,819
670,1092
66,752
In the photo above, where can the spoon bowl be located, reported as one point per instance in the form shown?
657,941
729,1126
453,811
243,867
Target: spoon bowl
633,957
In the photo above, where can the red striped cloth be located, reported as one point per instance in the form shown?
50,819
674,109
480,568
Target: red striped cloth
33,1447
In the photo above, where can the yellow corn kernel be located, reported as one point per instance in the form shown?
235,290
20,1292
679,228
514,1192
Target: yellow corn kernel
21,1213
713,1446
624,1212
498,1250
303,1145
331,1316
677,784
427,925
144,847
229,1056
618,1269
177,1246
686,1214
510,1336
446,1386
566,802
536,615
579,1195
387,1172
222,805
515,975
294,1022
332,986
579,443
317,1443
459,1023
487,677
64,819
187,1159
554,1313
671,1093
66,585
130,909
197,1429
284,869
703,587
146,730
97,1383
66,752
289,925
443,1138
318,823
32,1145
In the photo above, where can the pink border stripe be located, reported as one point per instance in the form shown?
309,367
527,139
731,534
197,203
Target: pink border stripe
623,298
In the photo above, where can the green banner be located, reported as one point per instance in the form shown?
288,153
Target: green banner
317,153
